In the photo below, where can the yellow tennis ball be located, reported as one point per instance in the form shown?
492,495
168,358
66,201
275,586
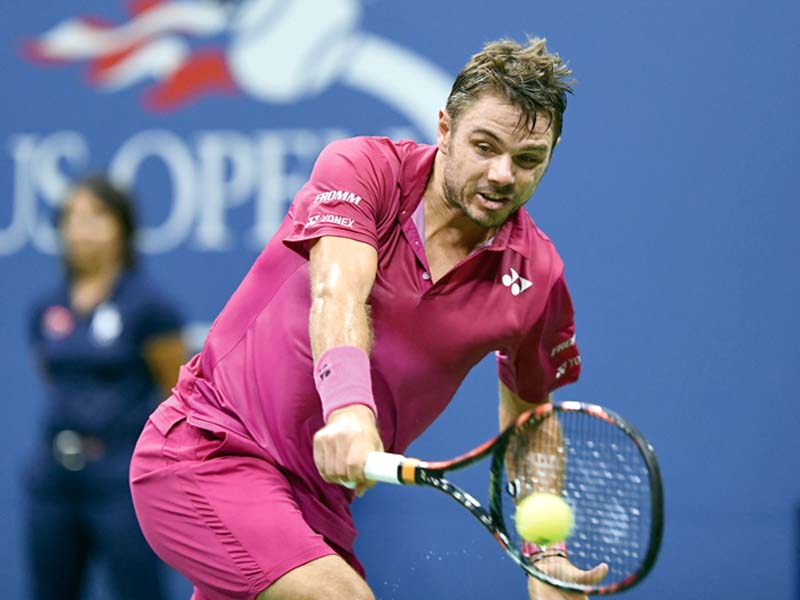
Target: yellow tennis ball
544,519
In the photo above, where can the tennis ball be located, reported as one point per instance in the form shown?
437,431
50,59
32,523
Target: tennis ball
544,519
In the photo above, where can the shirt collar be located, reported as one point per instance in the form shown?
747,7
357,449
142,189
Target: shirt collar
414,174
512,234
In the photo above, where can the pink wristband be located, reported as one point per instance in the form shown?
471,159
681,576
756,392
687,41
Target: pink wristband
342,377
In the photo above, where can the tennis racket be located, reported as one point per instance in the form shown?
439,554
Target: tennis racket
598,462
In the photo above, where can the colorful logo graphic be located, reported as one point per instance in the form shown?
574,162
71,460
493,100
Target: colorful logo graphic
276,51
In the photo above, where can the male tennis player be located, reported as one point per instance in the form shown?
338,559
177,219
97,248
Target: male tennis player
398,267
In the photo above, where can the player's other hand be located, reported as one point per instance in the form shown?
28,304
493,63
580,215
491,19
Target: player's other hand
563,569
341,447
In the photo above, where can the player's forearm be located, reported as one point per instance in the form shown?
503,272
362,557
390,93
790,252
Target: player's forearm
335,321
338,319
542,468
548,452
511,406
342,274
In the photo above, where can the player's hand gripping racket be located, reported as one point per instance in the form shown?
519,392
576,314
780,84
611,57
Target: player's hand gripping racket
599,463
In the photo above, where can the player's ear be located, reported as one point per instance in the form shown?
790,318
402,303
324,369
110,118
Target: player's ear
443,130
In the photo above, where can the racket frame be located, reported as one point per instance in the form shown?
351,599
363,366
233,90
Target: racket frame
398,469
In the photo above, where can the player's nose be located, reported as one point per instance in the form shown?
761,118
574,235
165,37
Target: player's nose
501,171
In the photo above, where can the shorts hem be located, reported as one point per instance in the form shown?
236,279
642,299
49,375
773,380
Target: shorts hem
257,576
290,564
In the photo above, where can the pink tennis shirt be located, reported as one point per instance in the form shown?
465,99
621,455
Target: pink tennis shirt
254,376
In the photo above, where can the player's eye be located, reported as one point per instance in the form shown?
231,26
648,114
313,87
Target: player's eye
483,148
527,160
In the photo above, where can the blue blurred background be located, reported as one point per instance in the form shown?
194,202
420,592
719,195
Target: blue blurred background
672,199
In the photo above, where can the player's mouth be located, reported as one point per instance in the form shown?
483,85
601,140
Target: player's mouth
493,201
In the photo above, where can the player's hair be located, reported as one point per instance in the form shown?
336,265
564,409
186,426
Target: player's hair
118,202
528,77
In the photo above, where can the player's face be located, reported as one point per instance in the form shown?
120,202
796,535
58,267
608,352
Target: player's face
91,233
493,160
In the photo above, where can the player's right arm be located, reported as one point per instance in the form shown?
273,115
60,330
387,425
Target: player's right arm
342,274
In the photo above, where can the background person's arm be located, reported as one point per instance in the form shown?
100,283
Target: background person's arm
164,355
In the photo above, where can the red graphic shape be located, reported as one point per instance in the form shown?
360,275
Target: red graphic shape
137,7
99,67
205,72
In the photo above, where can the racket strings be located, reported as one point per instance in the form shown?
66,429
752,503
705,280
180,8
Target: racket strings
534,467
601,474
607,485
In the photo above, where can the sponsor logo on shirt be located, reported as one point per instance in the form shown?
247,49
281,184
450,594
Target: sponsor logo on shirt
337,195
563,346
57,322
517,283
567,365
571,362
335,219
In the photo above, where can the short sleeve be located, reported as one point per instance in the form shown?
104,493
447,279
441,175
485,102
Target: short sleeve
157,317
547,358
342,197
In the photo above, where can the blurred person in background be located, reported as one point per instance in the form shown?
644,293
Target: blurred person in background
108,345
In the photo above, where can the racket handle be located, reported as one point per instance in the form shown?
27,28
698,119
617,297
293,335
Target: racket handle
380,466
383,466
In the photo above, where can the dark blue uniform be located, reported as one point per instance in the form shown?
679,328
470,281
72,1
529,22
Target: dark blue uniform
100,394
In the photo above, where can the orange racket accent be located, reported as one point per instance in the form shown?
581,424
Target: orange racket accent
408,470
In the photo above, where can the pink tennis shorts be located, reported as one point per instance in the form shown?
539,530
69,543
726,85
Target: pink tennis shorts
226,518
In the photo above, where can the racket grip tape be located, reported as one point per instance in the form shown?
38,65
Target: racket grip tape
384,467
387,468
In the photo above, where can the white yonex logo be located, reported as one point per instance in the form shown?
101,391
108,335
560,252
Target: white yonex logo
516,283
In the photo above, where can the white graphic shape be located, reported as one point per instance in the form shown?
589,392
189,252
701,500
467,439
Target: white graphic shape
155,60
282,51
106,325
517,283
77,39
